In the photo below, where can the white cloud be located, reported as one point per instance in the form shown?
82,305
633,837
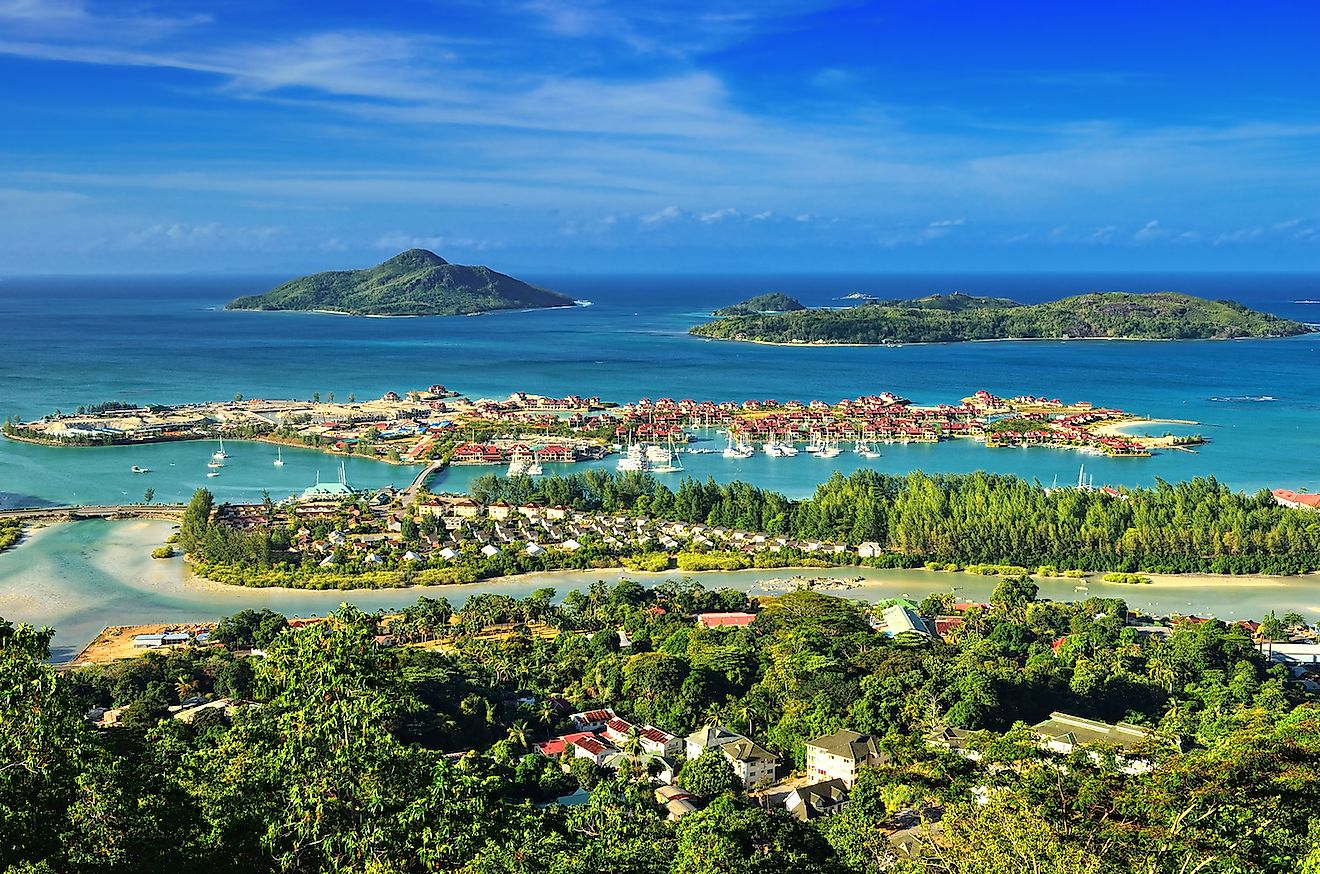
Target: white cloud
718,215
663,216
399,241
1149,232
209,236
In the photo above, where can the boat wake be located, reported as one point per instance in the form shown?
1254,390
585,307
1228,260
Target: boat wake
1245,399
583,303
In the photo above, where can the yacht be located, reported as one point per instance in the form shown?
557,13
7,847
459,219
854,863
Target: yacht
659,454
517,466
279,457
671,463
215,463
534,469
773,448
787,449
214,473
814,446
220,454
741,449
830,449
634,459
137,469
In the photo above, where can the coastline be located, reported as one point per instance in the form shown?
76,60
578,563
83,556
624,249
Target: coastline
897,344
79,578
325,312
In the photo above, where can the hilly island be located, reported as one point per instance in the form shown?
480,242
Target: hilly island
413,283
947,318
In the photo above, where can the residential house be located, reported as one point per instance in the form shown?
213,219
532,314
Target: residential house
592,720
725,620
840,755
676,801
899,619
754,765
1065,733
816,800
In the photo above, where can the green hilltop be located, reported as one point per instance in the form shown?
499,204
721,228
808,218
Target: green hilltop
774,302
956,317
413,283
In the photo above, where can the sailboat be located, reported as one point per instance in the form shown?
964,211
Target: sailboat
669,462
741,449
220,454
279,457
830,449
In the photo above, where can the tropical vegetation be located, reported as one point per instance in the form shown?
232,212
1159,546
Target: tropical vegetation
412,283
950,318
339,753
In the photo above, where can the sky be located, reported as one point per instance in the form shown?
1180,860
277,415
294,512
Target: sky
257,136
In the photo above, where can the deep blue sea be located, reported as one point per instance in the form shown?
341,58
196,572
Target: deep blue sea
65,342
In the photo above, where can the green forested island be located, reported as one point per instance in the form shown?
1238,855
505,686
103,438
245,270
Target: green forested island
774,302
957,317
413,283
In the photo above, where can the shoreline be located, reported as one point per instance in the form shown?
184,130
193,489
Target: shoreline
325,312
81,578
259,438
898,344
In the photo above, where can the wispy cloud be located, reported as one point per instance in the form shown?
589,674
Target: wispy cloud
398,241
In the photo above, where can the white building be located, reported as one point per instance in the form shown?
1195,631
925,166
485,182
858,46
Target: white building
755,765
840,755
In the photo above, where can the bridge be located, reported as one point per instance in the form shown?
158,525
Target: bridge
420,480
74,512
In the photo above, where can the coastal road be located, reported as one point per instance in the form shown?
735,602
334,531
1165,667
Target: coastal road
167,512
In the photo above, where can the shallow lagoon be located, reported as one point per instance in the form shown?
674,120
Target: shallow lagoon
80,577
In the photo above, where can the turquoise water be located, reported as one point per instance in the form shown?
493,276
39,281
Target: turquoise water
69,342
80,577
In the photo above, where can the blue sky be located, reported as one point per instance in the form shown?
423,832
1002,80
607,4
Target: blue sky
552,136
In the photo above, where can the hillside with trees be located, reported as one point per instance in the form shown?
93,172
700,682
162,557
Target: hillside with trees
774,302
331,752
957,317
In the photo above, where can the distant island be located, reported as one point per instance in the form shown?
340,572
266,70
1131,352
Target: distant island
947,318
774,302
413,283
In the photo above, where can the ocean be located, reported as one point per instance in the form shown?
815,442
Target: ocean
71,341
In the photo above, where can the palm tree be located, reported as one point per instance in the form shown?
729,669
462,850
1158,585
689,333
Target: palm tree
518,733
545,714
185,687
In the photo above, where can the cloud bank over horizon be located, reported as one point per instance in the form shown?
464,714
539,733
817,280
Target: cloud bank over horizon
592,135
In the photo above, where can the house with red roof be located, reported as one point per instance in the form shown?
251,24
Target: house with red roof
725,620
1296,500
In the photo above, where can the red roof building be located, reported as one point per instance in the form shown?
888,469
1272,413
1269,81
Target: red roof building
725,620
1296,500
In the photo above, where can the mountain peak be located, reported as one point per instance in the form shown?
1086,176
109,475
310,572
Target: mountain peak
415,258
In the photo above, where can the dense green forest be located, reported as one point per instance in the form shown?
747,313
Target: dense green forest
774,302
358,757
413,283
1195,526
951,318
